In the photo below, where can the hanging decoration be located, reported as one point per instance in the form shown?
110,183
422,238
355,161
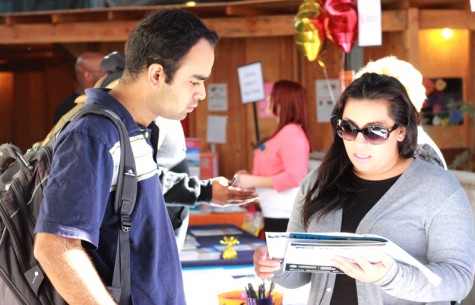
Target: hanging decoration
336,21
309,31
341,23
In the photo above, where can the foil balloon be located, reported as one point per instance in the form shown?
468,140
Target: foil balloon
341,23
309,30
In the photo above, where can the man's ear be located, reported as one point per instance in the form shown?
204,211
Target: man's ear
156,75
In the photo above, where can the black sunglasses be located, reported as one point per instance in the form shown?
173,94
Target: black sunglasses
374,135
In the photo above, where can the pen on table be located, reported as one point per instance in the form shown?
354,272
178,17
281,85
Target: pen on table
234,180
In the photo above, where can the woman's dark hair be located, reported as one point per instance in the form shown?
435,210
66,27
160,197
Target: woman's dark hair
334,187
164,37
289,103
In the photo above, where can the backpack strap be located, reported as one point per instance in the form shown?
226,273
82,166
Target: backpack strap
124,203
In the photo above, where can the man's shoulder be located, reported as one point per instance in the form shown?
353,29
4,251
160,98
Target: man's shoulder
102,96
92,127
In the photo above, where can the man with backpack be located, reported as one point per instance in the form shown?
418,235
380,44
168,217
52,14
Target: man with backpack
179,188
169,55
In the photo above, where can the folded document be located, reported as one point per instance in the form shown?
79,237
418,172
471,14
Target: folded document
313,252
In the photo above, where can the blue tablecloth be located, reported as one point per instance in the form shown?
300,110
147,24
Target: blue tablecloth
209,248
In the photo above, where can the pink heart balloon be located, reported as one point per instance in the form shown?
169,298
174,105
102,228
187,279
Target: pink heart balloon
341,23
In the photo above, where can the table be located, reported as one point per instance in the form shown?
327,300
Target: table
203,284
202,246
205,274
235,218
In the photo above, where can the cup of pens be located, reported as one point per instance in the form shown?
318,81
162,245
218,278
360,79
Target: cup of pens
262,301
261,296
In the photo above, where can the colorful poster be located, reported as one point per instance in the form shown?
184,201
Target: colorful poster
193,156
444,102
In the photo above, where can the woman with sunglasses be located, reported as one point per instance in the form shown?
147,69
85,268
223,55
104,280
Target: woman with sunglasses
281,161
369,183
412,80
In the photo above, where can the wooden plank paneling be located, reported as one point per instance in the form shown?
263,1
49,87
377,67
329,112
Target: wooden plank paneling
244,39
411,37
320,132
393,44
230,53
118,30
455,19
27,125
67,32
279,64
6,106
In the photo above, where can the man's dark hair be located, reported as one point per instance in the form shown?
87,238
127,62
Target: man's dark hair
164,37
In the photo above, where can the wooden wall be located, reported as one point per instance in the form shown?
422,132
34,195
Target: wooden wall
27,100
6,106
283,62
29,97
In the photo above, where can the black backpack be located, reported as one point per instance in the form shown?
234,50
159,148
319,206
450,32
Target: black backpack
22,180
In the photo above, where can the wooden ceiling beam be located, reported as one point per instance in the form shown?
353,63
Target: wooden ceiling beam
115,30
93,16
244,11
66,32
438,19
422,4
229,27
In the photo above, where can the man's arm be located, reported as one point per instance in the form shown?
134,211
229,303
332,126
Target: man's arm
70,270
180,188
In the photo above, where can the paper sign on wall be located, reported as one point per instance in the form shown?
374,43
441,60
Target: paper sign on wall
216,129
472,5
218,97
327,93
370,30
251,83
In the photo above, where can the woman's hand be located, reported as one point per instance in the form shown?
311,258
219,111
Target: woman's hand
245,181
362,270
263,265
241,171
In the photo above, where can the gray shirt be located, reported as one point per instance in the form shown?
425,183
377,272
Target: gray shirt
427,213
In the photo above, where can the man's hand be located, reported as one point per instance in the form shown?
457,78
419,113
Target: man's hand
223,193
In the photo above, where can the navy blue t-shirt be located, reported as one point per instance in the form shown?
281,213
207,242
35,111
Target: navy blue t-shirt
78,203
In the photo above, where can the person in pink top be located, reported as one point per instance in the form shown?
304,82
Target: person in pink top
281,161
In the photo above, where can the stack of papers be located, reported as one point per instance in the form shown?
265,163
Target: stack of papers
233,203
310,252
